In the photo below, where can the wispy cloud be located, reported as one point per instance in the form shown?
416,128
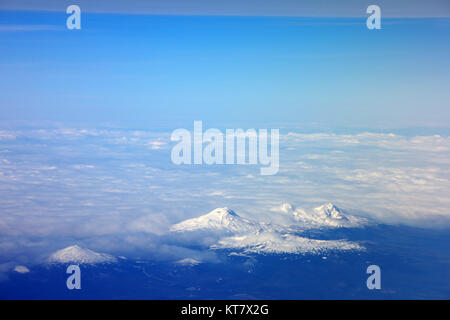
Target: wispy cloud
25,28
305,8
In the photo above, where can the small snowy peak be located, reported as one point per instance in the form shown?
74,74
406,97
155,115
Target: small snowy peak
330,210
188,262
76,254
220,219
327,216
21,269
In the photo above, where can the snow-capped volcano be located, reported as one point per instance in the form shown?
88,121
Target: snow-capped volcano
327,215
331,211
220,219
76,254
188,262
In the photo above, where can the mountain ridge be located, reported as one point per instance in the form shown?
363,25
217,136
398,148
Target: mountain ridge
237,233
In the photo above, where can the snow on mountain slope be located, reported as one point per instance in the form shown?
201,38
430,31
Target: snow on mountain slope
329,210
76,254
258,237
189,262
220,219
21,269
327,215
283,243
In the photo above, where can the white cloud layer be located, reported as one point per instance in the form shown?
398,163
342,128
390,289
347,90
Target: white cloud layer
119,189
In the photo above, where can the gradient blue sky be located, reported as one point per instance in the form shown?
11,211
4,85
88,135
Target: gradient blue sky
138,70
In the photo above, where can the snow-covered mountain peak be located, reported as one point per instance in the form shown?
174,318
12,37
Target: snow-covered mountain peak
189,262
222,213
331,211
220,219
329,216
77,254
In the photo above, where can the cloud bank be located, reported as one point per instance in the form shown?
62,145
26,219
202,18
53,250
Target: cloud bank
111,190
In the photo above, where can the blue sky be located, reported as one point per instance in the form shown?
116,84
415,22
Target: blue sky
142,70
